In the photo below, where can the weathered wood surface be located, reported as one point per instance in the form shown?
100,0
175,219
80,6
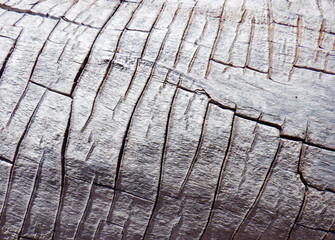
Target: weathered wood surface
170,119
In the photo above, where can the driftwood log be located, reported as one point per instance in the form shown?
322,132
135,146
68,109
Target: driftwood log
170,119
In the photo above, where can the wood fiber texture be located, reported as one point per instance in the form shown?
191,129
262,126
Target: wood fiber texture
167,119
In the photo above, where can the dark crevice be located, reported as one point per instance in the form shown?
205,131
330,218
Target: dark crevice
129,86
296,54
108,69
120,190
26,11
218,31
284,24
137,30
196,91
66,134
11,50
190,65
163,156
216,103
63,169
84,63
304,27
316,229
314,69
184,35
51,89
90,151
142,53
6,160
330,230
30,12
167,34
77,23
85,213
11,174
33,193
30,76
125,137
302,206
260,193
151,29
258,120
237,29
303,180
98,230
294,138
222,169
270,124
26,238
251,35
197,152
234,66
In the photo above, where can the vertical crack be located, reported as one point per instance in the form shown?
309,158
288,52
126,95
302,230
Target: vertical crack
11,50
143,50
125,140
255,131
84,63
318,3
222,169
99,228
85,213
63,169
302,206
35,187
164,151
237,31
168,32
190,65
296,47
260,193
270,38
184,34
329,230
192,59
197,152
252,28
109,68
30,76
218,31
11,174
125,137
321,32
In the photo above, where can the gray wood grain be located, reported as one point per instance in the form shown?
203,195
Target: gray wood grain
167,119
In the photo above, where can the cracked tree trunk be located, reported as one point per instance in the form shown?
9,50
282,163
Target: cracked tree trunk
167,119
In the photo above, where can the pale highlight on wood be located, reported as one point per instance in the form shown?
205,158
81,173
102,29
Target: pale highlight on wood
167,119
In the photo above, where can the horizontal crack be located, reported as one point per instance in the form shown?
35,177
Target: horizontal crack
293,138
51,89
258,120
295,26
5,160
120,190
314,69
30,12
315,229
136,30
234,66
